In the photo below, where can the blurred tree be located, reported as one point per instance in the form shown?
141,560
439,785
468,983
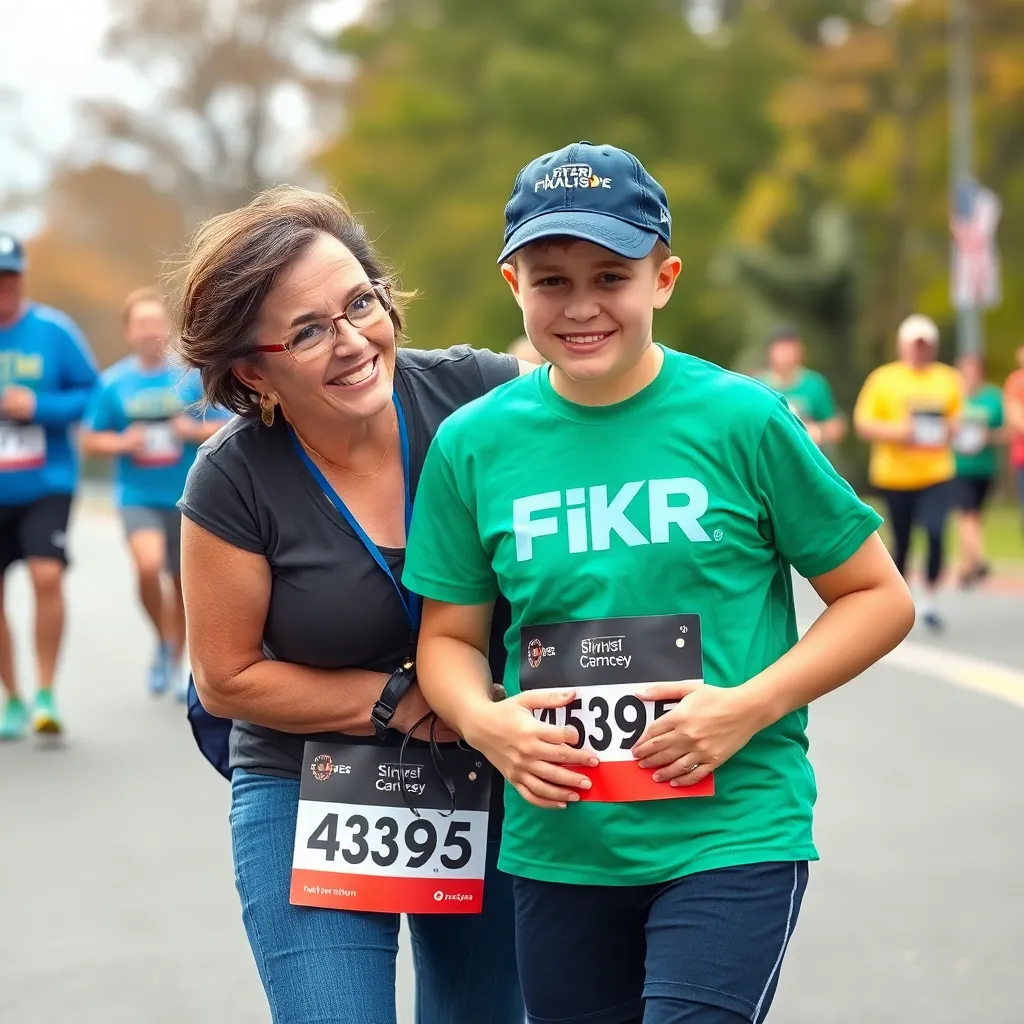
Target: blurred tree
866,125
227,82
107,231
452,97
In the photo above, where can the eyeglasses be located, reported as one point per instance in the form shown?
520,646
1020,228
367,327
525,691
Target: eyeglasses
315,337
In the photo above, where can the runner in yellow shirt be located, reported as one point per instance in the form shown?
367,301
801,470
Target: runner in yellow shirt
907,411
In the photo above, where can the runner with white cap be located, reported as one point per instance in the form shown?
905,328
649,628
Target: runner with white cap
908,411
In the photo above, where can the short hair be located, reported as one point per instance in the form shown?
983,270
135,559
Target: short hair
149,293
661,251
785,332
233,262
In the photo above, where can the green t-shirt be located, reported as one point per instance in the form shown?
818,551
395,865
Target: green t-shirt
809,395
577,513
981,413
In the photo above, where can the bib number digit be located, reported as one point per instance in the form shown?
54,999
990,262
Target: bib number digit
599,706
575,723
633,725
388,828
329,843
422,852
360,827
460,842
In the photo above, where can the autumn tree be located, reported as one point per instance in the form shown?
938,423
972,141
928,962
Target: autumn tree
227,80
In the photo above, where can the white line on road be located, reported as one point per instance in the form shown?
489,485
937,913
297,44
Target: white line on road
961,670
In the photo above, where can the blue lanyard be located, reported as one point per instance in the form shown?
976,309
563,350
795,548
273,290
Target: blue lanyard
410,601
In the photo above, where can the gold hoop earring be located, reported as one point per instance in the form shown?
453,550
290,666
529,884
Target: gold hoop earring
267,407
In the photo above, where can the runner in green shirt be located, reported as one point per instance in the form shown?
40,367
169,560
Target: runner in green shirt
807,392
640,509
979,433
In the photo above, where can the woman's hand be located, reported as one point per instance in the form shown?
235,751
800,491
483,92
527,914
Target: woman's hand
529,753
411,708
706,727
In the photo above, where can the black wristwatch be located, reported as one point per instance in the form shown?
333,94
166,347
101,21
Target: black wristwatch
394,690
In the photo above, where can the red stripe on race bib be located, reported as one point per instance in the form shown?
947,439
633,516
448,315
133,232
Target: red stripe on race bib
15,465
379,894
621,782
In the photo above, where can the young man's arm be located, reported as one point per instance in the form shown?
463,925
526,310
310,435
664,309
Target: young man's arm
455,679
711,723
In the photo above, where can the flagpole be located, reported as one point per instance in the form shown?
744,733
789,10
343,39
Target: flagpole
969,334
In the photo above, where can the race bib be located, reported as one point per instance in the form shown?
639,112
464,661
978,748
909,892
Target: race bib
22,446
971,437
162,446
360,846
929,428
606,661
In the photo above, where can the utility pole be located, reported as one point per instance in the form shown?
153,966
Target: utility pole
969,324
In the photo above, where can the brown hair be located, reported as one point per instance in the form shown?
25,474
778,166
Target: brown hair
232,264
140,295
660,252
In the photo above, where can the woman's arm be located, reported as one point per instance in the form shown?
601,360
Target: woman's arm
227,593
870,610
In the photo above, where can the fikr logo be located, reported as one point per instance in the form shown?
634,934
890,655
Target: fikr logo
571,176
591,519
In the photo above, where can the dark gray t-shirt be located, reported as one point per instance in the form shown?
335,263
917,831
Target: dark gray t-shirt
331,606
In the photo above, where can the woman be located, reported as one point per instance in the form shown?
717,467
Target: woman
296,623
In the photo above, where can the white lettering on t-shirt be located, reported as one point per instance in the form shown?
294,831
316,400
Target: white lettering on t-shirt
605,517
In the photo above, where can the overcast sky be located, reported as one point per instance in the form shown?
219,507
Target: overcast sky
50,57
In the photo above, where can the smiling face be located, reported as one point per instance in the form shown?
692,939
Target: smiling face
353,379
590,313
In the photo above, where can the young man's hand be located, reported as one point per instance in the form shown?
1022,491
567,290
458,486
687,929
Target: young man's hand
532,755
706,727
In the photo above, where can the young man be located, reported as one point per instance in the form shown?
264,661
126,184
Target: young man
1013,400
46,376
145,415
807,391
976,447
908,412
642,524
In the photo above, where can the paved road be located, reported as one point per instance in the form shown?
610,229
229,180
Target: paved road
116,896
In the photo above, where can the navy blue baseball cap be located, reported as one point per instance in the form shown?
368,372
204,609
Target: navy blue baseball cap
12,254
600,194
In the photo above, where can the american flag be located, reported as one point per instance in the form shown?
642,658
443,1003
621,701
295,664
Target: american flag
975,278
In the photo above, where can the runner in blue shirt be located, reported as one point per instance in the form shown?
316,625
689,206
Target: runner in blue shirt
46,376
146,413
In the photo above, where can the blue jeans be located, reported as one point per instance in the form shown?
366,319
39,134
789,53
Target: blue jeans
338,966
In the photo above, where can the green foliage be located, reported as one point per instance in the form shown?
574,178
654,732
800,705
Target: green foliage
452,97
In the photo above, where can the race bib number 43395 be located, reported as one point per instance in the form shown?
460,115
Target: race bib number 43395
606,661
359,845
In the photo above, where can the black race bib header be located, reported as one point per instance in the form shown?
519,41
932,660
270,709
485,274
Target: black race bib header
637,649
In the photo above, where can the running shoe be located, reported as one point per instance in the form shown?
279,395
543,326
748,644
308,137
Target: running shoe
45,719
933,621
182,674
159,678
14,721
